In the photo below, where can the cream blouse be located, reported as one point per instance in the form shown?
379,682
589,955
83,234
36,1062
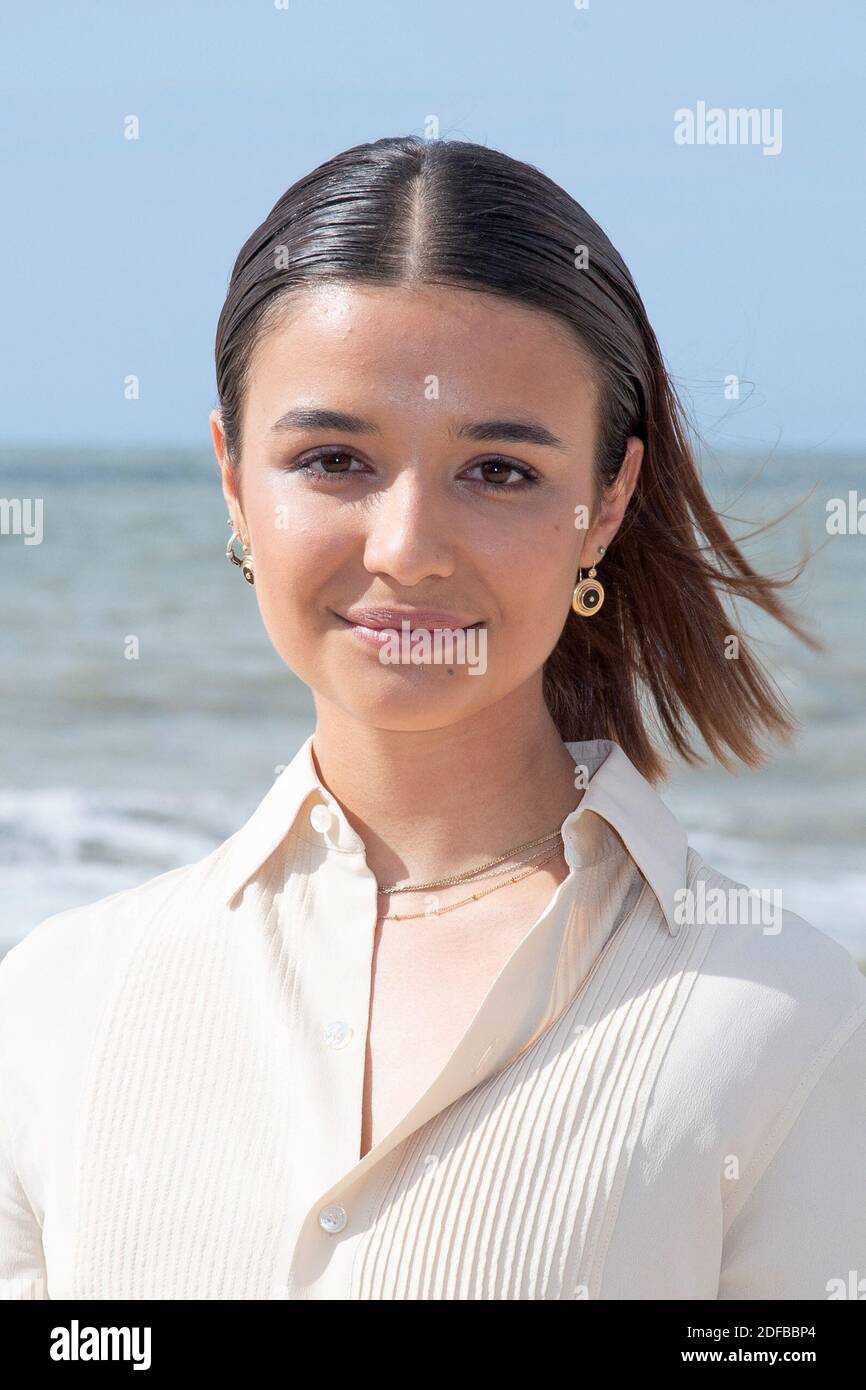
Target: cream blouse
644,1106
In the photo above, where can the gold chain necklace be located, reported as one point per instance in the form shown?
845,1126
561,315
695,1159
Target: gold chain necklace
467,873
506,868
515,878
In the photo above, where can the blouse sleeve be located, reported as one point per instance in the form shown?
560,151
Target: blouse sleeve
22,1266
801,1233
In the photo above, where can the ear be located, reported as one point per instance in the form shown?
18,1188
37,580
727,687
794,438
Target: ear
613,503
228,472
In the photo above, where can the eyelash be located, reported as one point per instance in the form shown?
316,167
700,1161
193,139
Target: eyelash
529,476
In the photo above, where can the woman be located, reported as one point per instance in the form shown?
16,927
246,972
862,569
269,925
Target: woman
457,1014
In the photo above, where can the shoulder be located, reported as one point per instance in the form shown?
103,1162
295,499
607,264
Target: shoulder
772,1001
773,1021
762,954
60,984
66,961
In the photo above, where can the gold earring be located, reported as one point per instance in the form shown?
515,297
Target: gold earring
245,560
588,594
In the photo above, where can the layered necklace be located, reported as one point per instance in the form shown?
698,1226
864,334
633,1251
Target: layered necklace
488,869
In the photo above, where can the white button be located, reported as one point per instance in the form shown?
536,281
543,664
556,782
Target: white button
332,1219
320,817
337,1034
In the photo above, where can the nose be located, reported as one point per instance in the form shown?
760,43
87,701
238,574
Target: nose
410,531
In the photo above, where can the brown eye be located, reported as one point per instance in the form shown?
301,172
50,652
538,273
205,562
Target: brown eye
497,474
310,464
341,460
496,471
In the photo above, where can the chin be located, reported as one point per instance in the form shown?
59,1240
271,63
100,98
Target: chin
409,705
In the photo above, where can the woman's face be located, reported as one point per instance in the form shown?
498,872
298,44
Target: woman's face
455,483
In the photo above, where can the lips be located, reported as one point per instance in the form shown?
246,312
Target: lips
376,619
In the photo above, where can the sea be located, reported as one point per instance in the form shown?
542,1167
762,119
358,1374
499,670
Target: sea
114,770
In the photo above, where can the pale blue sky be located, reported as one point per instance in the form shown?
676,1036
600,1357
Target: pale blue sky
116,254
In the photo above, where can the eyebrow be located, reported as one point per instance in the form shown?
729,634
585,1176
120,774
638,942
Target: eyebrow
520,431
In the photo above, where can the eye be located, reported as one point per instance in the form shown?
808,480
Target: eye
500,468
341,457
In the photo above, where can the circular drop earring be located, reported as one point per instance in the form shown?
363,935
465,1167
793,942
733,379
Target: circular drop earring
588,593
245,560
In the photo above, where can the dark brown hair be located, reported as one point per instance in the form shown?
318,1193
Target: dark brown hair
650,668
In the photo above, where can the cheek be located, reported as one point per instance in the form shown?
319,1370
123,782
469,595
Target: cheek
293,554
288,535
534,584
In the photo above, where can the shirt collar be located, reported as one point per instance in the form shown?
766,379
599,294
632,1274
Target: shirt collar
614,791
650,831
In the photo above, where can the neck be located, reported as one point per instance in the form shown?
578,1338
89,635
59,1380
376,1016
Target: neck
434,802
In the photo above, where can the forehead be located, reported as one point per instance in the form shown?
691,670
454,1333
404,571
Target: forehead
481,349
